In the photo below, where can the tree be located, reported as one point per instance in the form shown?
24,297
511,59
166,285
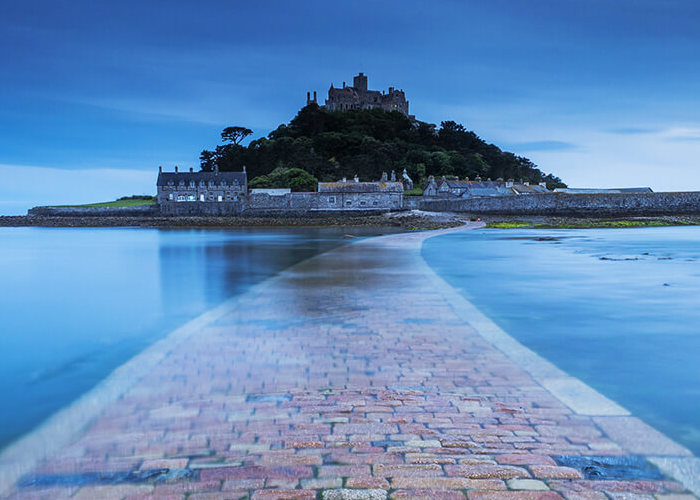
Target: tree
235,134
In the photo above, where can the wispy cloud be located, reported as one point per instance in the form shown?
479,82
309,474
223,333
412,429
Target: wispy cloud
542,146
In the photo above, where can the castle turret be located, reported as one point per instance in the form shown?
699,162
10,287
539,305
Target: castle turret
360,82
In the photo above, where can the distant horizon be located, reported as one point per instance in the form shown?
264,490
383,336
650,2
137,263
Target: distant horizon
93,98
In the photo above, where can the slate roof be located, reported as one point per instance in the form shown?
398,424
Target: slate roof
217,177
603,191
360,187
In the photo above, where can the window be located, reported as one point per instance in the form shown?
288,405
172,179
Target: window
191,198
170,196
375,203
219,198
331,199
211,184
363,203
348,202
181,197
201,197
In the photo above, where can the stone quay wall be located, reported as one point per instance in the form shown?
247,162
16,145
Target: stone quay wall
564,204
135,211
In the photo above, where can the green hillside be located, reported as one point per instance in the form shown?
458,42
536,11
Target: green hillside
334,144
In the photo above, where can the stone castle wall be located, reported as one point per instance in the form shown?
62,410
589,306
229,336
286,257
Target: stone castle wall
562,204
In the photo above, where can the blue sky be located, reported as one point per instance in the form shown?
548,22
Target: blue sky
95,95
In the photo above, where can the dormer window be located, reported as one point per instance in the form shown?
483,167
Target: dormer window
201,184
211,184
181,183
191,184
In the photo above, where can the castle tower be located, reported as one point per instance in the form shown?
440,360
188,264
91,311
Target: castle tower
360,82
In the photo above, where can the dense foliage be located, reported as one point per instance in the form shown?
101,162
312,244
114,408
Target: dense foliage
295,178
330,145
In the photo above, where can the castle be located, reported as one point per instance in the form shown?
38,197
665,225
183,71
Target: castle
359,97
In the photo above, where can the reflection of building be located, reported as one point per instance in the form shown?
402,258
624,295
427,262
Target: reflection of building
174,187
467,189
359,97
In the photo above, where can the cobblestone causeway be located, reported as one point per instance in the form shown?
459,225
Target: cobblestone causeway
349,377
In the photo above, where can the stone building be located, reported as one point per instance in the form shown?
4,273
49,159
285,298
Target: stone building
360,97
447,188
356,195
200,187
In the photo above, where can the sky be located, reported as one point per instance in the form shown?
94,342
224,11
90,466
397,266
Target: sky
94,96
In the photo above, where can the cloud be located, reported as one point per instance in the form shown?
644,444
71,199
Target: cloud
633,130
542,146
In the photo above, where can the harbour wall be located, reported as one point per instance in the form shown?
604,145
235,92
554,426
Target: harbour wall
135,211
573,205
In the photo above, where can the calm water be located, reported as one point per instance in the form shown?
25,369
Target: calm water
77,303
619,309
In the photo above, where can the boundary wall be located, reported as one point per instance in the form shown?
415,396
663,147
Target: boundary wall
564,204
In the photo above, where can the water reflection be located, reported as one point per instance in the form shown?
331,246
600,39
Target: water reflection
77,303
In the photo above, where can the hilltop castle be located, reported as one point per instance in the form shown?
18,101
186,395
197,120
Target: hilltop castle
359,97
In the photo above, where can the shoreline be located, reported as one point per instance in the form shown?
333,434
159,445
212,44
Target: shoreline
408,220
405,220
574,394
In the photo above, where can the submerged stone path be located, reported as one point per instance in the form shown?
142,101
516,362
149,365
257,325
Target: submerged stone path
353,375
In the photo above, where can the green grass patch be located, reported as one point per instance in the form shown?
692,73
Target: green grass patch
508,225
602,224
126,201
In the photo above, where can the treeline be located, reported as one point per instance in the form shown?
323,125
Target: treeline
331,145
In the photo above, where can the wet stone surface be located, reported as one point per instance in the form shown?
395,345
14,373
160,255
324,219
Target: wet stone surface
368,386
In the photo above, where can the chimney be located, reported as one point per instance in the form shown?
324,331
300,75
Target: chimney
308,98
356,178
509,183
175,168
343,84
385,177
244,169
478,178
191,169
393,176
216,168
315,97
527,183
466,179
160,168
391,89
345,179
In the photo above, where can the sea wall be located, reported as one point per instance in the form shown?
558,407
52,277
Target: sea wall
564,204
135,211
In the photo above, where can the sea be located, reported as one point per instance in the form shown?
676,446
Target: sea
77,303
616,308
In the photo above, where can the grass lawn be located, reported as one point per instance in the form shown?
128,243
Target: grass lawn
122,202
